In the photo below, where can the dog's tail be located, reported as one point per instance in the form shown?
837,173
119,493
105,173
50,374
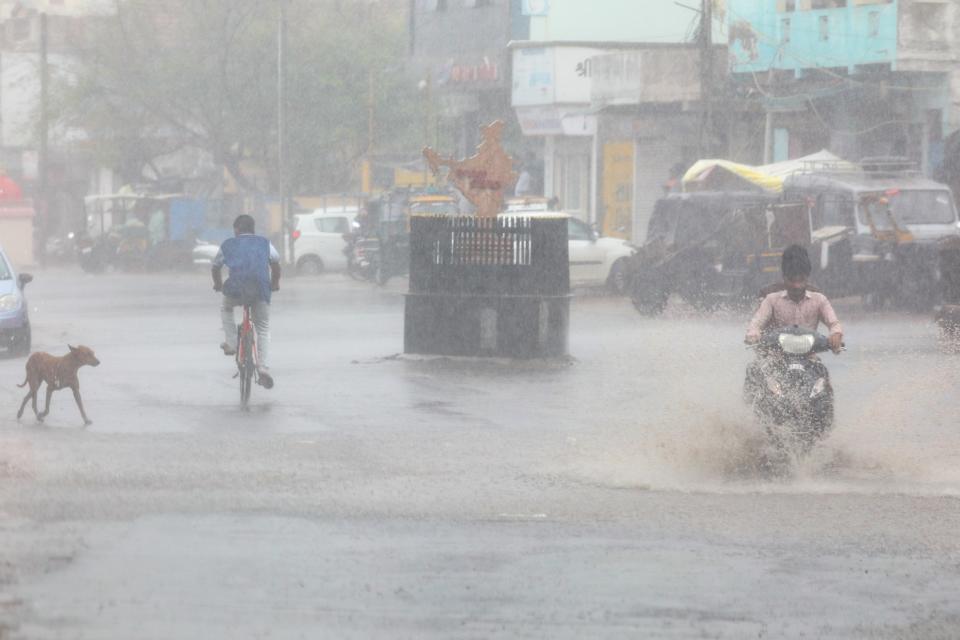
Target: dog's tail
24,384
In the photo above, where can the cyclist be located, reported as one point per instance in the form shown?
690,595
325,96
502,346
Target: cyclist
254,266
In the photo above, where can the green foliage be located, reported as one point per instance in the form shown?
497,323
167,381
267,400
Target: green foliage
161,75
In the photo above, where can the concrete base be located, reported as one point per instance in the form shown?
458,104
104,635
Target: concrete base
491,326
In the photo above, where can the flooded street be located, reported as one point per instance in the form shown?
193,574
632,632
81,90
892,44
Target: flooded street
372,495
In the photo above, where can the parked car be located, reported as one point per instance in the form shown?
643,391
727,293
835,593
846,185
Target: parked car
14,311
595,261
318,239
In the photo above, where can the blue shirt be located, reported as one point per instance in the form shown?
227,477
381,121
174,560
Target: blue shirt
248,257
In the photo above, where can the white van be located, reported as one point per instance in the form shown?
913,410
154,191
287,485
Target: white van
318,242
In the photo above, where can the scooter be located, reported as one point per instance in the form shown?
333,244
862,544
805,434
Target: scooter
789,389
363,258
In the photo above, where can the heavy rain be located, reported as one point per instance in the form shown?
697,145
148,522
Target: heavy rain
479,319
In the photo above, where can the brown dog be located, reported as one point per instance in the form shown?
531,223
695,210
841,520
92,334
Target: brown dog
58,373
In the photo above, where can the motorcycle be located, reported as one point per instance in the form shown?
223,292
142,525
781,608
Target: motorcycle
363,257
95,255
789,389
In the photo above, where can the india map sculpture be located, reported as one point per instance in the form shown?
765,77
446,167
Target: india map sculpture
481,178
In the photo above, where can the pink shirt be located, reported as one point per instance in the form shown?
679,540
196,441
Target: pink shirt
778,310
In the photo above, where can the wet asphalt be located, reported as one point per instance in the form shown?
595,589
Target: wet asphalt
371,495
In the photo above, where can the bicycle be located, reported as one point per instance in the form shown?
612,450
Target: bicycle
247,356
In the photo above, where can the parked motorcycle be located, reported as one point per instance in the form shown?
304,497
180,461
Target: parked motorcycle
363,257
789,389
95,255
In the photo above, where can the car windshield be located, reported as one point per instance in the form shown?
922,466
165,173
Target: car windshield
912,207
578,230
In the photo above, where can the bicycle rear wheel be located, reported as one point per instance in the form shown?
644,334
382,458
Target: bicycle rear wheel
246,366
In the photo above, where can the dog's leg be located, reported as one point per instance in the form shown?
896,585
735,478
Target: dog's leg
26,399
33,392
46,409
76,396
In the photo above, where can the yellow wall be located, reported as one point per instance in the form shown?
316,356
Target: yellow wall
618,189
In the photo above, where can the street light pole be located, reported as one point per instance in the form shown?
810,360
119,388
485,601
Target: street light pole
43,148
706,77
282,127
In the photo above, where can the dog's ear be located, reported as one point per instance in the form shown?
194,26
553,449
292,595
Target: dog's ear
71,347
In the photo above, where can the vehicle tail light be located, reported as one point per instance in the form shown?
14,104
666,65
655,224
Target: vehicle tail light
296,234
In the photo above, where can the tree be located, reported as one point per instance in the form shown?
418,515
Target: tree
162,75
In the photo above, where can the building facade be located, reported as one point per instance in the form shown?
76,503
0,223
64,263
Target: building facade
862,78
612,90
58,185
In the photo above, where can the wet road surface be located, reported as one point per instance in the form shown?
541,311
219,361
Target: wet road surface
368,495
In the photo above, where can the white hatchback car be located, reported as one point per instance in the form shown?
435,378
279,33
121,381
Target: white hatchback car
318,242
595,261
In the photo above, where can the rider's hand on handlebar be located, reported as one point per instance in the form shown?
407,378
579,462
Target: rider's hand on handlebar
836,342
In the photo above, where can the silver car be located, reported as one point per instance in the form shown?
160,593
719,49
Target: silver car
14,311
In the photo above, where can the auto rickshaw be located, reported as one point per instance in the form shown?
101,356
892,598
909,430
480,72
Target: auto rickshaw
712,248
135,231
947,313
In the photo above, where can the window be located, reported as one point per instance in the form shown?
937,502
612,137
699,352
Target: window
911,207
828,4
332,225
833,210
785,30
578,230
786,6
572,181
873,20
824,28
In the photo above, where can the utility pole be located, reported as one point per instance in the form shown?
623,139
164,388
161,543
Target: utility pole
706,76
366,168
286,223
427,125
42,149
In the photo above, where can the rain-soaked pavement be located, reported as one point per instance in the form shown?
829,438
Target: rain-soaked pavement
373,496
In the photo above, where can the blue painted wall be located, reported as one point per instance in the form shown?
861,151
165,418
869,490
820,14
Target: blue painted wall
855,35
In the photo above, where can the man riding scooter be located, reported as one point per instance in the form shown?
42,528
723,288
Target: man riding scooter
787,385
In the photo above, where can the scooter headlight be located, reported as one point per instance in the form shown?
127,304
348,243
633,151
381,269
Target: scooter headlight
10,302
818,387
796,345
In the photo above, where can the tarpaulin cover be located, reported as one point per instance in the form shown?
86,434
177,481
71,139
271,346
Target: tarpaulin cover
768,177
